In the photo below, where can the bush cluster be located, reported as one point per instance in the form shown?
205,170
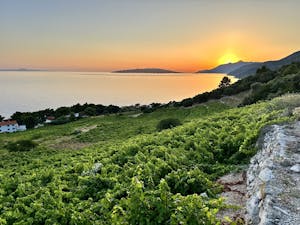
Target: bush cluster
21,146
168,123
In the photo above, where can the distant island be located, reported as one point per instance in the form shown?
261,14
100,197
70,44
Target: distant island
146,70
243,69
20,69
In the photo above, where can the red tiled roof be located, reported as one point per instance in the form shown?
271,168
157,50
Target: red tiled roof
8,122
50,118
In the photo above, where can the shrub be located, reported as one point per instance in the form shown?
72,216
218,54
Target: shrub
168,123
190,182
90,111
21,146
256,86
187,102
60,120
291,69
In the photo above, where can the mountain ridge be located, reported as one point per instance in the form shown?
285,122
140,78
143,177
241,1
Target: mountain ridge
225,68
243,69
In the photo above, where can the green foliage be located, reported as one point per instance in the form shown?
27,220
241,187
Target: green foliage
65,114
128,173
193,209
29,121
190,181
90,111
168,123
275,87
262,70
162,207
21,146
60,120
62,111
265,84
290,69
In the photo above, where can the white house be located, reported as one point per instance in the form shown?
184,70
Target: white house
10,126
21,128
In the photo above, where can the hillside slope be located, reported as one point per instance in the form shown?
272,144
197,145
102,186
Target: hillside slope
119,169
273,65
164,177
265,84
226,68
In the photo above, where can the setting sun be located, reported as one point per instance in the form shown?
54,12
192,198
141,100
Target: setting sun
228,58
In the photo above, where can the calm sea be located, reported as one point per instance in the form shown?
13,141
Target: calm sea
31,91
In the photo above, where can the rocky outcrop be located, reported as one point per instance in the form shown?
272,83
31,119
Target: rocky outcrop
273,178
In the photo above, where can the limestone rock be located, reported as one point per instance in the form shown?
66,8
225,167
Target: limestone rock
295,168
273,178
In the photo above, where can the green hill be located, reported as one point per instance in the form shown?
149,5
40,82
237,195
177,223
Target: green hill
125,172
265,84
119,169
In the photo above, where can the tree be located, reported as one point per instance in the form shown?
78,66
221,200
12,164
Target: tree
72,117
26,118
291,69
90,111
29,121
1,118
62,111
18,116
77,108
187,102
225,82
113,109
100,109
262,69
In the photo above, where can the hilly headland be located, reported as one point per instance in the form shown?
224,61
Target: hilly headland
242,69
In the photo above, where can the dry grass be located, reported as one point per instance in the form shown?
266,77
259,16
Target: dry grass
288,100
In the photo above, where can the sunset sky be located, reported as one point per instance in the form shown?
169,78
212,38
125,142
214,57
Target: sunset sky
183,35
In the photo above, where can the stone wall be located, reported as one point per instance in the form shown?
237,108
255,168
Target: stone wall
273,178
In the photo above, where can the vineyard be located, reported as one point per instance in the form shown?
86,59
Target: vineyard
119,169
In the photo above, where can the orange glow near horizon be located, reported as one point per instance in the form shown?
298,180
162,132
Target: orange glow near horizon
184,36
228,58
221,47
188,59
